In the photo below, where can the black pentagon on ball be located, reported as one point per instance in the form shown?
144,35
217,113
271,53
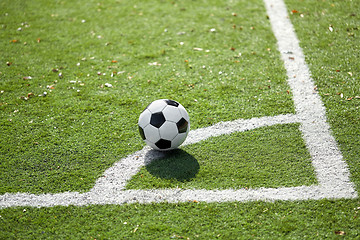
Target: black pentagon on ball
182,125
163,144
172,103
142,134
157,119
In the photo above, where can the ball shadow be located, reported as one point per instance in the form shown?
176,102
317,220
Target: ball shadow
176,164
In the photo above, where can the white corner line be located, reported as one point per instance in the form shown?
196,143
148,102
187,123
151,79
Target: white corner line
331,170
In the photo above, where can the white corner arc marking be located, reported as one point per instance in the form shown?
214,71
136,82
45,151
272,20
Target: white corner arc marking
331,170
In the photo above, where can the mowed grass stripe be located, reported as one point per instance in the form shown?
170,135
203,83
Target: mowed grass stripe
66,140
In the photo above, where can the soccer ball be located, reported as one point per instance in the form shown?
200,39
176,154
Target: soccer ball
164,124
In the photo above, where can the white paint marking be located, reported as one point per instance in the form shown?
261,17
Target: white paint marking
239,125
331,170
121,172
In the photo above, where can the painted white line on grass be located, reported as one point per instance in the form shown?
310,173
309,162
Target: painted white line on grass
239,125
109,189
331,170
171,196
122,171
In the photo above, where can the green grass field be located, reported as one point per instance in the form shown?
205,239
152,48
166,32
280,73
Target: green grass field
284,162
217,58
53,131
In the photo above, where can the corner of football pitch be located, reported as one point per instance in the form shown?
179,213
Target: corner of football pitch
281,175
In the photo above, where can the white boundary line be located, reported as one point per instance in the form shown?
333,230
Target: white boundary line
331,170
